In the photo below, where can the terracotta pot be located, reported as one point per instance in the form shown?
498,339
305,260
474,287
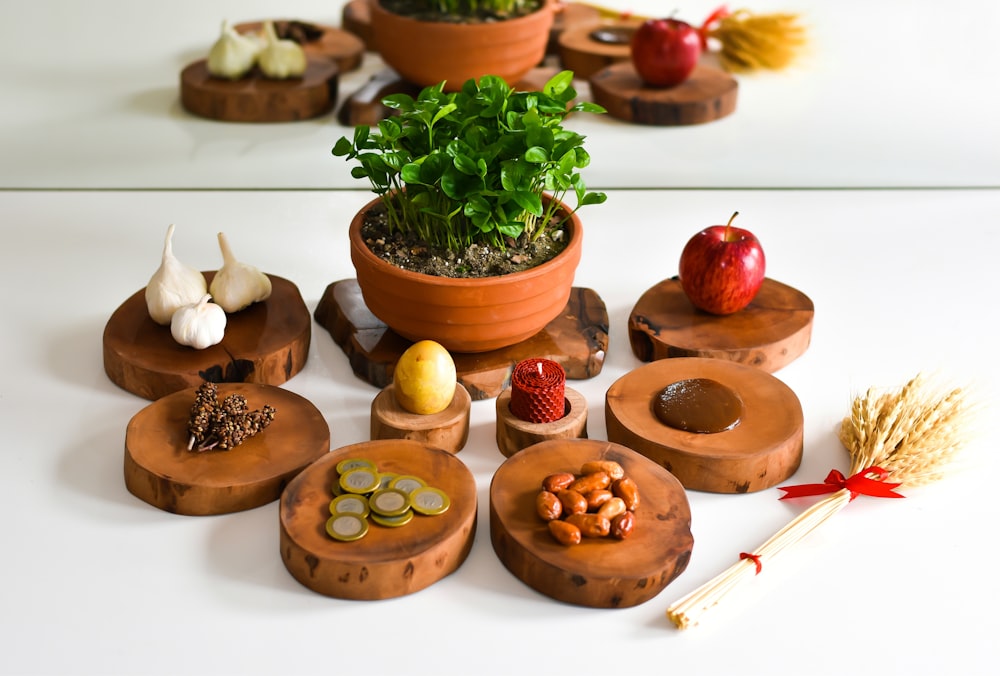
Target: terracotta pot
466,315
427,52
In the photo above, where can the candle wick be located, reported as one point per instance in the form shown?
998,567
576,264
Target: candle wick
540,372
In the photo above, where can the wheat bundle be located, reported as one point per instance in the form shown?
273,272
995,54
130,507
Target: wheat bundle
895,439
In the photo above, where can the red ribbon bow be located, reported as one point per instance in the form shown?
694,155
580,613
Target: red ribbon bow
858,484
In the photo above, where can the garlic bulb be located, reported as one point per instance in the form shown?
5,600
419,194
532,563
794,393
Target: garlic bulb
199,325
233,54
280,59
237,285
172,285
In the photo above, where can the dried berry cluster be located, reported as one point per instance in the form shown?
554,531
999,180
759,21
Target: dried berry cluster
226,424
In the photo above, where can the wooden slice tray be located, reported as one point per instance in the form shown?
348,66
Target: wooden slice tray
387,562
708,94
771,332
764,449
267,343
258,99
342,47
581,53
160,470
600,573
578,340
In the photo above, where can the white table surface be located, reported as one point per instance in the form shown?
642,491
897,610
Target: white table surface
96,581
890,94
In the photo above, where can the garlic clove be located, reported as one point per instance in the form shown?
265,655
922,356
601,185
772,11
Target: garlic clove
199,325
237,285
233,54
280,59
172,285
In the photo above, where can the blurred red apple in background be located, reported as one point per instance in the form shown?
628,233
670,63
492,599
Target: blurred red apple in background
665,51
722,268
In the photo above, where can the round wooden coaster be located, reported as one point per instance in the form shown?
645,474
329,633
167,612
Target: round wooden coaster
343,47
387,562
585,47
267,343
707,95
598,572
255,98
447,430
771,332
764,449
160,469
514,434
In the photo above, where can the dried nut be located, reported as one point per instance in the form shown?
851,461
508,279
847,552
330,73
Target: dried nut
612,468
597,498
612,508
572,502
590,525
554,483
548,506
591,482
565,533
623,525
626,489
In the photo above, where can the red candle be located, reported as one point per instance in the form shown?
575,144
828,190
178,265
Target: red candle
538,391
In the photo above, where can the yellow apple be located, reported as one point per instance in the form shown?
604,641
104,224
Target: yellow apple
424,378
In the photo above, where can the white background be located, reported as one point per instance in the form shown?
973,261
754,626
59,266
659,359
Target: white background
97,582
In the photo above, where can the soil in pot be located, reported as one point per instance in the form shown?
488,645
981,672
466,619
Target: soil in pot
478,260
427,11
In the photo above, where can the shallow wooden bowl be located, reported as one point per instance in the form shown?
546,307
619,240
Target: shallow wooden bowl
764,449
160,470
266,343
600,573
387,562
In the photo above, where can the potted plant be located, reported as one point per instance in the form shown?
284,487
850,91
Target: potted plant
467,180
429,41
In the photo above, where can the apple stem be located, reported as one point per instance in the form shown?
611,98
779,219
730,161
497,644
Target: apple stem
730,224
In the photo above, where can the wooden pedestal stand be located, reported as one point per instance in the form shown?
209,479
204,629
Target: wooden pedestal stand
707,95
447,430
514,434
386,562
764,449
770,333
267,343
356,18
601,572
578,340
255,98
160,470
583,51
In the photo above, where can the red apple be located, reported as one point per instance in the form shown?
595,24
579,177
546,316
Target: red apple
665,51
722,268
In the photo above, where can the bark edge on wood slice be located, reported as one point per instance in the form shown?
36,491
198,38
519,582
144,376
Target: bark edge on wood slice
356,18
448,429
708,94
386,562
255,98
266,343
764,449
598,572
577,339
160,470
514,434
343,47
770,333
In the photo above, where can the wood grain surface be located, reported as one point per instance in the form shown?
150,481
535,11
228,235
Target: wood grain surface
160,470
266,343
598,572
764,449
387,562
